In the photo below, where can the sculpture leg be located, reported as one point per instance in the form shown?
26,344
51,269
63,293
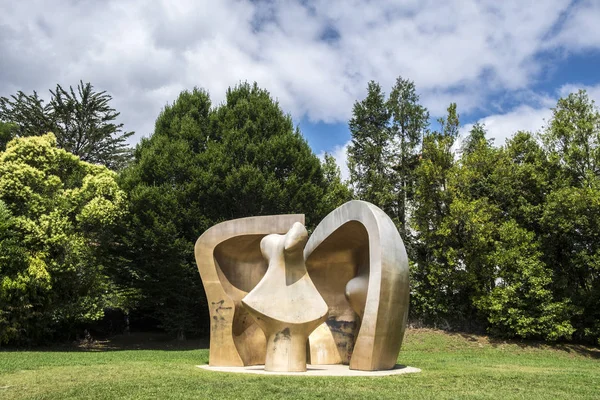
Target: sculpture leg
286,349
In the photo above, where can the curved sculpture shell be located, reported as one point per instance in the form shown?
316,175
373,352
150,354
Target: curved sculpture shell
358,262
230,265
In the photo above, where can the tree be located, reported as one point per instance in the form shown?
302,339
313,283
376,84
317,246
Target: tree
201,166
432,202
408,126
505,282
505,238
478,259
336,191
56,210
383,154
369,157
569,222
569,217
28,113
7,133
82,120
572,139
454,221
520,302
13,257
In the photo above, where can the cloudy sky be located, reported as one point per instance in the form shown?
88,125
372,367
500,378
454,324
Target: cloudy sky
504,63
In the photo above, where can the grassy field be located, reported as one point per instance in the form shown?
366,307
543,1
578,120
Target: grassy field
454,366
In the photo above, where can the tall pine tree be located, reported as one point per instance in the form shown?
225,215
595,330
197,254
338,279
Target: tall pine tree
383,155
369,156
409,122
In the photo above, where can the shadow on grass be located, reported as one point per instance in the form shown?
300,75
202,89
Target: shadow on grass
583,350
164,342
133,341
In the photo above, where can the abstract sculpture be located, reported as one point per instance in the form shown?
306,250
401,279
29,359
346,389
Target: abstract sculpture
268,288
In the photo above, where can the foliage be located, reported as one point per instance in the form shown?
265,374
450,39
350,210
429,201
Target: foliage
82,121
13,257
478,261
383,153
28,113
570,217
504,238
369,154
336,192
55,211
572,139
8,131
204,165
431,268
409,122
521,302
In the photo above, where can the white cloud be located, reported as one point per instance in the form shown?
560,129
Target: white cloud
340,154
502,126
580,30
526,117
315,58
593,91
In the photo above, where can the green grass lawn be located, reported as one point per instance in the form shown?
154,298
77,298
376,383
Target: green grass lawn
454,366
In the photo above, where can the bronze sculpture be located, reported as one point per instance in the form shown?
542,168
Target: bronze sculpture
346,287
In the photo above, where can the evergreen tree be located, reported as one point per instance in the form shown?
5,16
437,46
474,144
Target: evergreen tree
409,122
201,166
82,121
383,154
28,113
369,156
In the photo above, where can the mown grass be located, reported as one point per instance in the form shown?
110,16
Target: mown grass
454,366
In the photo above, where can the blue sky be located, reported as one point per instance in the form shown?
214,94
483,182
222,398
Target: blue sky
505,63
581,69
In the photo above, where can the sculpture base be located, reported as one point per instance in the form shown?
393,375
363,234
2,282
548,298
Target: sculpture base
315,370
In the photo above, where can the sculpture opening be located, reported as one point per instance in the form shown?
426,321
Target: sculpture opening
240,266
333,265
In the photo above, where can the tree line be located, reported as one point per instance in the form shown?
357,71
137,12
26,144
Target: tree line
503,238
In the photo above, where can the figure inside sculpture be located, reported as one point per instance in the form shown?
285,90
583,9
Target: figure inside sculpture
285,303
